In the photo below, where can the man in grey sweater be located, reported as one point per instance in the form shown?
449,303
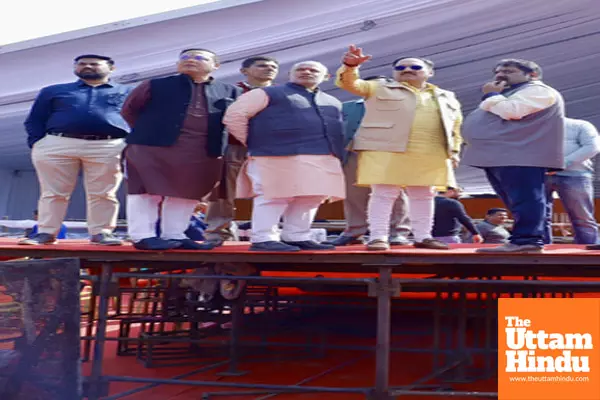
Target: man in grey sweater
516,135
574,184
492,228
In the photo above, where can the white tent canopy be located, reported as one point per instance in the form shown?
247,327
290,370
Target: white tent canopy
464,37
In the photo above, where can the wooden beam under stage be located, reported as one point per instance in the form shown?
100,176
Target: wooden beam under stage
577,270
461,260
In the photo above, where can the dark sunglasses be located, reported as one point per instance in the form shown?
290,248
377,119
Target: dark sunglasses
188,57
413,67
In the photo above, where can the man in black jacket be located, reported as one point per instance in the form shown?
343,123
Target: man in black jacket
174,152
450,216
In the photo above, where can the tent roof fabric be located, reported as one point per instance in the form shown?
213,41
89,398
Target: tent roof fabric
465,38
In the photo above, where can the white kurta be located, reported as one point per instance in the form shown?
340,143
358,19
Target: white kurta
284,176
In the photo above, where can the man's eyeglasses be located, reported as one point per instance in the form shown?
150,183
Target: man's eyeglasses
507,71
413,67
184,57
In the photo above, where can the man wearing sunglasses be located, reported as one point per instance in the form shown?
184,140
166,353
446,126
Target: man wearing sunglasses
174,156
408,141
357,197
516,136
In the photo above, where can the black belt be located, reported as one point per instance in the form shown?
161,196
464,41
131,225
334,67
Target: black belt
84,137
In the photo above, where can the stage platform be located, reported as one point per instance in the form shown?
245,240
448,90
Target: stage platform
383,277
401,258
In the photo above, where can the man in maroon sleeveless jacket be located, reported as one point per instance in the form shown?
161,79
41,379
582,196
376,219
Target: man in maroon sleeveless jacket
174,153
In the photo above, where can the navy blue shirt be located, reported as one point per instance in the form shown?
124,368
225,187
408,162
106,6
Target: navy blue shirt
450,214
78,108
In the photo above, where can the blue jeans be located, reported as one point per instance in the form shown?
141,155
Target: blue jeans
577,196
522,191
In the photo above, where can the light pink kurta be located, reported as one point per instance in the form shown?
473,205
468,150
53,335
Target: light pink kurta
285,176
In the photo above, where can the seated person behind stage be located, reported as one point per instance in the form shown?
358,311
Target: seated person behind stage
30,233
450,216
295,143
357,197
492,229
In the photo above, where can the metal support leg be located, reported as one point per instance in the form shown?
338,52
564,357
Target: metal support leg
87,345
383,289
237,315
97,388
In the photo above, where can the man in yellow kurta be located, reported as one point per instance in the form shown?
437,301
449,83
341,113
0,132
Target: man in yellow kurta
409,140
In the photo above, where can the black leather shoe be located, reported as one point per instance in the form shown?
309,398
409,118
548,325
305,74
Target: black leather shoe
189,244
155,243
216,242
311,245
272,245
344,241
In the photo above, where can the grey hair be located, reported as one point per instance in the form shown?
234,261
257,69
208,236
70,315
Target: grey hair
319,64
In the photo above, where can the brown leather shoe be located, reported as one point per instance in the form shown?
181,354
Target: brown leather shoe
378,245
432,244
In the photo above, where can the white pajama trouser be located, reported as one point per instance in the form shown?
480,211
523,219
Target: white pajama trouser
420,210
143,210
298,214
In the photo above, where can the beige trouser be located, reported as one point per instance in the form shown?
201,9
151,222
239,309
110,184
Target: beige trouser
221,213
355,206
58,160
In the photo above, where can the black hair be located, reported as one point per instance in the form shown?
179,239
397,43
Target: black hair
493,211
524,65
248,62
109,60
215,57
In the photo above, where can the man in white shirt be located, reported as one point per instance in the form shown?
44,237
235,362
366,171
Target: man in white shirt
516,135
574,184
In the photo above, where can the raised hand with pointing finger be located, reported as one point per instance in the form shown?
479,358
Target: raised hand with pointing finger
404,143
354,56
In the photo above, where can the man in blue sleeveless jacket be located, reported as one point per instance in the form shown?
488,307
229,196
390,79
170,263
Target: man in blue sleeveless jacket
294,135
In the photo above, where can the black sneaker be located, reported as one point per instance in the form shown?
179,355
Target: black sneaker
40,238
105,239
